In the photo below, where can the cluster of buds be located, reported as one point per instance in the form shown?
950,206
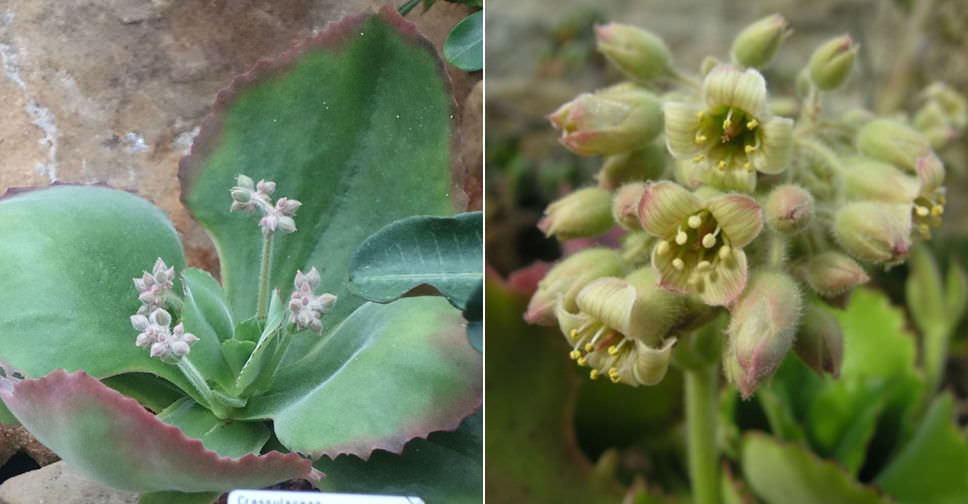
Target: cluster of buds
306,307
153,322
762,210
249,196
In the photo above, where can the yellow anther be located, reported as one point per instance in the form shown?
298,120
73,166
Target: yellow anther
701,139
613,371
709,241
573,333
612,350
662,248
589,347
678,264
724,252
574,354
749,148
681,237
925,230
615,378
704,265
752,124
937,210
594,374
582,362
727,123
698,158
694,221
922,211
722,164
700,115
748,166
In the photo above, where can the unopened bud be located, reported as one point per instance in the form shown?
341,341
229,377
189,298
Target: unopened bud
832,273
637,53
266,187
625,205
647,163
241,195
951,102
874,232
830,63
586,212
934,124
789,209
820,170
761,329
617,119
245,182
756,45
820,341
897,143
305,307
563,282
869,179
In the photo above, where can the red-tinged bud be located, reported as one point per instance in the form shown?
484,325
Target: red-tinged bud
830,63
789,209
625,205
832,273
874,232
820,341
756,45
637,53
761,329
563,282
617,119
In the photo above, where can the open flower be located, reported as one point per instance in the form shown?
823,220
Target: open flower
620,329
732,134
700,247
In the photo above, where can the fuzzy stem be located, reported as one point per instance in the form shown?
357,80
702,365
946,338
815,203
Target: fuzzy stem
198,381
777,252
701,415
263,305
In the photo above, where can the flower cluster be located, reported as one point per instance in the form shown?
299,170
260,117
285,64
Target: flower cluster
153,322
306,307
153,287
249,196
764,207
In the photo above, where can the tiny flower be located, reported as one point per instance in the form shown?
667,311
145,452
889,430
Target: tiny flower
266,187
820,341
637,53
733,133
832,273
648,163
306,307
563,282
617,119
789,209
152,287
620,328
173,346
155,333
761,329
830,63
756,45
700,247
874,232
287,207
625,205
243,195
586,212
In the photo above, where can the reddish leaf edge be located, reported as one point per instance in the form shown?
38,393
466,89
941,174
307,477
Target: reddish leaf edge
332,35
10,389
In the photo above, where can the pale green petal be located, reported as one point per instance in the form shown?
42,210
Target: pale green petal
776,150
740,217
681,126
650,364
745,90
727,280
869,179
609,300
728,180
664,207
670,278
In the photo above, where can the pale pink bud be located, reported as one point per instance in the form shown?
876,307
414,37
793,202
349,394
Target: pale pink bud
266,187
286,224
625,205
287,206
789,209
586,212
563,282
832,273
139,322
874,232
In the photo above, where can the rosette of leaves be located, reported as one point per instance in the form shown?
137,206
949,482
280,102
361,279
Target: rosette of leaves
357,124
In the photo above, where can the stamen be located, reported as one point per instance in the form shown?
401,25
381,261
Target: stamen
615,379
937,210
701,139
615,349
594,374
574,354
662,248
722,164
752,124
709,240
678,264
724,252
613,371
574,334
681,237
922,211
698,158
749,148
582,362
729,119
694,221
925,230
590,346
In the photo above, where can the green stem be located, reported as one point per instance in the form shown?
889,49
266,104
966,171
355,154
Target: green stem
198,381
407,7
263,306
701,415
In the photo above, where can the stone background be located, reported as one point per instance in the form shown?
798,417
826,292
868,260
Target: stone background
113,91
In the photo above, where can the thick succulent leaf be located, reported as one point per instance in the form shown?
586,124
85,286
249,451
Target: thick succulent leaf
228,439
151,391
843,417
786,473
386,374
113,440
932,468
267,352
464,47
532,455
205,296
67,258
237,353
356,123
474,314
445,468
875,342
444,252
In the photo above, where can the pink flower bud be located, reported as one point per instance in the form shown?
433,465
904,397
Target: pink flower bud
287,206
874,232
789,209
625,205
563,282
832,273
830,63
266,187
618,119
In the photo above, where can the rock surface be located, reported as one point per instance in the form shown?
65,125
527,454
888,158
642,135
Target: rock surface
58,484
114,90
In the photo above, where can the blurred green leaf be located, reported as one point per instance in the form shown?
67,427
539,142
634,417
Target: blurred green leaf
464,47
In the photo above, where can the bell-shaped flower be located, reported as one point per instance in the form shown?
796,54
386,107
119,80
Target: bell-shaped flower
732,133
617,119
621,328
563,282
700,247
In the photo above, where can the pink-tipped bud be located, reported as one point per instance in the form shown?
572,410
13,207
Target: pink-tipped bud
586,212
820,341
563,282
789,209
756,45
625,205
305,306
617,119
832,273
894,142
830,63
266,187
761,329
637,53
874,232
287,207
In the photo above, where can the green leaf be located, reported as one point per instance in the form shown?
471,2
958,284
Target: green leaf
357,124
956,294
386,374
178,498
250,330
67,260
843,417
782,473
924,291
151,391
205,295
228,439
267,352
445,468
532,455
875,342
464,47
237,353
932,468
444,252
474,314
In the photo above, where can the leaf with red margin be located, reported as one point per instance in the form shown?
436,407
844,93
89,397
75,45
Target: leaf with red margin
387,374
113,440
357,123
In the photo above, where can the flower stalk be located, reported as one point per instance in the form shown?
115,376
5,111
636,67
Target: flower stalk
701,413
